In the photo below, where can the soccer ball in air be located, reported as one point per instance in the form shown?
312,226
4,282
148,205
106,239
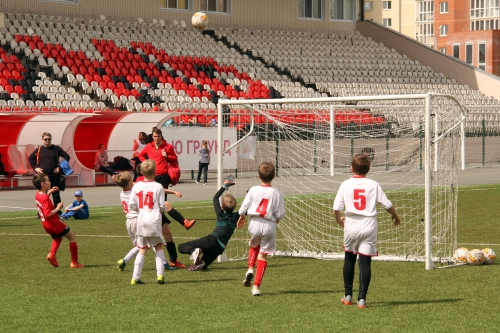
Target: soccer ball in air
460,255
475,257
489,256
199,20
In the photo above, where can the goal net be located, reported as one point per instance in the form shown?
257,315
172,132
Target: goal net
415,144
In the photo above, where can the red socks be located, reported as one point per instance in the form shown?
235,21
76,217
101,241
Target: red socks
55,245
73,248
261,270
252,256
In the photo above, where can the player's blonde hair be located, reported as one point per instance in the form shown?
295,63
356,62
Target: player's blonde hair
123,179
361,164
148,169
228,203
267,172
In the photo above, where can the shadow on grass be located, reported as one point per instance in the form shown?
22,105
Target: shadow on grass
409,302
218,267
304,292
199,281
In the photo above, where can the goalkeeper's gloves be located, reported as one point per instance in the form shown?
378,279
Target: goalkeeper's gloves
228,179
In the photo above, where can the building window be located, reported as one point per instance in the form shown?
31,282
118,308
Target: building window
443,7
443,30
387,22
483,8
312,9
456,51
61,1
185,5
468,53
481,63
343,10
491,24
425,33
425,11
386,5
217,6
442,50
368,5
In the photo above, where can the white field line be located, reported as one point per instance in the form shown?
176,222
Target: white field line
233,239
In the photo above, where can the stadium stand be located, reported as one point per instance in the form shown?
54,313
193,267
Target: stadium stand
98,65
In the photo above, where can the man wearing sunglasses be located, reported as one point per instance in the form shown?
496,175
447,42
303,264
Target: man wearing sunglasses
45,159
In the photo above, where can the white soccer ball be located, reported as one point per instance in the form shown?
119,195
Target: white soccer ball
460,255
489,256
475,257
199,20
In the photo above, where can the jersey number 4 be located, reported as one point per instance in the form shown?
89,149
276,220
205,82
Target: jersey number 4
359,199
146,200
262,208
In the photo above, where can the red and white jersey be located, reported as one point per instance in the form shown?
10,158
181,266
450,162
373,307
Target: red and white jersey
52,224
359,195
125,198
265,201
148,198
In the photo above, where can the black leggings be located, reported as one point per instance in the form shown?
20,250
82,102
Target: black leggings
365,273
202,167
209,245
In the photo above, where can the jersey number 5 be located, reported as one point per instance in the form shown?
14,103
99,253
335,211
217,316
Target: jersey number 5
262,208
146,200
359,199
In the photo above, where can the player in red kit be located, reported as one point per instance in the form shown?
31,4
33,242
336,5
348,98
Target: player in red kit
51,222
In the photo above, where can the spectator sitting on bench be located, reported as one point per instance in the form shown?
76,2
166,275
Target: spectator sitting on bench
101,161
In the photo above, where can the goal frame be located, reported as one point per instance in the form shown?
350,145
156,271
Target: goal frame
428,140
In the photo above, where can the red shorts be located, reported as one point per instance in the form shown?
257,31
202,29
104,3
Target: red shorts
54,228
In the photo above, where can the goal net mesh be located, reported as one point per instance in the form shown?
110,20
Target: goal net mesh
297,138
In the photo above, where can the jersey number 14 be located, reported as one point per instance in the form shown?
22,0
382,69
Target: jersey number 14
146,200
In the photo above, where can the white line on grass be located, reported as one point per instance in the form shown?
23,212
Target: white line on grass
18,207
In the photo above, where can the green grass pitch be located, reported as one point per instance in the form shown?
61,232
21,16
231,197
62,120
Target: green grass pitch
298,295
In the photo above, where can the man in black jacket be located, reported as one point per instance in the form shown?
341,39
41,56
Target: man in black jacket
45,159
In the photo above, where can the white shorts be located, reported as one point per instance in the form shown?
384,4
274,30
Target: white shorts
132,229
263,232
148,242
360,235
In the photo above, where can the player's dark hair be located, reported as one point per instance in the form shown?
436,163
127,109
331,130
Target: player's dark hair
267,172
38,179
361,164
138,169
158,132
228,203
123,179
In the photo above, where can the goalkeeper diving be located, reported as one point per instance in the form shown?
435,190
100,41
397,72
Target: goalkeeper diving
205,250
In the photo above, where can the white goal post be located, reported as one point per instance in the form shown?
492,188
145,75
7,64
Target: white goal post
416,143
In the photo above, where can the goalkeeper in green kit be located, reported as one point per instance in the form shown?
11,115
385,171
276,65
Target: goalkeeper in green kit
205,250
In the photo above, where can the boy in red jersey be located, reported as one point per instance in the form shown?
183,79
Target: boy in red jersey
265,206
358,197
51,222
164,155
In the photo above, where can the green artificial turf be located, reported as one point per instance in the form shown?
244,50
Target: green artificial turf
298,294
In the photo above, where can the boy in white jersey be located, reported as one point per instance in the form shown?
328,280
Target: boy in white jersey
359,195
124,180
266,206
147,198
